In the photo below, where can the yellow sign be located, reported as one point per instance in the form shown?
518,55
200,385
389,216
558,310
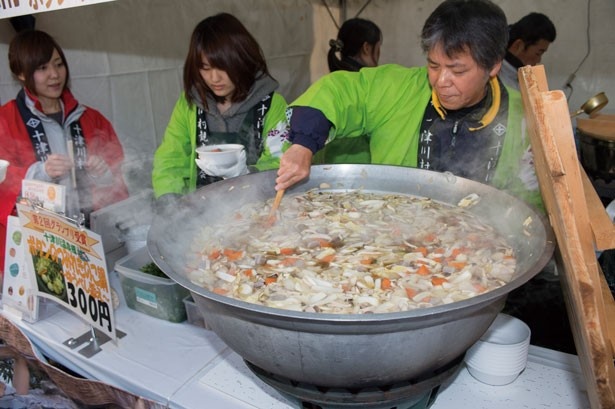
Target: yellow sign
68,265
13,8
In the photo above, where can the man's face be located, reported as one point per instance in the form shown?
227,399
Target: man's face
532,54
459,81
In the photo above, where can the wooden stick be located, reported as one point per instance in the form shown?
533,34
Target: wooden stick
71,155
276,204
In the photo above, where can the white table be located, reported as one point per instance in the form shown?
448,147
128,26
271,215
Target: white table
189,367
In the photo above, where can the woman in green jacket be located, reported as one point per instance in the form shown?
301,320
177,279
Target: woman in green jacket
228,97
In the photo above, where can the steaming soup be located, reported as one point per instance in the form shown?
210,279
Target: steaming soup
352,252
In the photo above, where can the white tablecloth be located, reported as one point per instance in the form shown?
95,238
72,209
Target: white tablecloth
189,367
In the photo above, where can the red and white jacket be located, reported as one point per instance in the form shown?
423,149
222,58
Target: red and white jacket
16,147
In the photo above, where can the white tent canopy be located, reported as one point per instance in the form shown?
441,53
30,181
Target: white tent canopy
126,56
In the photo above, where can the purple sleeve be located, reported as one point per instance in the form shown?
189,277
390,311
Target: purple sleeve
309,127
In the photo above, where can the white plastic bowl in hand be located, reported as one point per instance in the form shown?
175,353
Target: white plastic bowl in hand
4,165
500,355
224,155
222,161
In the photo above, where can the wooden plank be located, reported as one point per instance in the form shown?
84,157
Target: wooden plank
562,189
602,226
609,308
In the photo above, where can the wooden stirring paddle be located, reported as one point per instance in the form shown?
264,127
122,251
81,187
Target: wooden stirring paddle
274,207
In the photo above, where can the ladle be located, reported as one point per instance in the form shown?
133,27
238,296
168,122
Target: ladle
274,207
592,105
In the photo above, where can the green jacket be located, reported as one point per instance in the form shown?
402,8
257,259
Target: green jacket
174,168
388,103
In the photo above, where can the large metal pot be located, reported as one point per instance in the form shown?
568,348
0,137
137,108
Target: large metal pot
597,147
351,350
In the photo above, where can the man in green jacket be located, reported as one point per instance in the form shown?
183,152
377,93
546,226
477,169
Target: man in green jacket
453,115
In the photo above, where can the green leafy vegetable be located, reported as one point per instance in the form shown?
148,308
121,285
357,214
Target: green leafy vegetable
152,269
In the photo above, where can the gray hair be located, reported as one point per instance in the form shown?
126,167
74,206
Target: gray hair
475,26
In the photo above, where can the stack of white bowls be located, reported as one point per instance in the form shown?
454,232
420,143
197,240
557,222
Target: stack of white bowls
500,355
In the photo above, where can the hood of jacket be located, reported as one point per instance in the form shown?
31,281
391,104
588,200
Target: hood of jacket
231,119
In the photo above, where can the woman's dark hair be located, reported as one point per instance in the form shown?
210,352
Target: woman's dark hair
475,26
531,29
228,46
350,38
29,50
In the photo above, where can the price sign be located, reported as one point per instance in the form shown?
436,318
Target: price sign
69,266
50,195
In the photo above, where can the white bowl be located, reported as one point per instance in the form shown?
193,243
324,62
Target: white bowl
221,155
4,165
500,355
491,379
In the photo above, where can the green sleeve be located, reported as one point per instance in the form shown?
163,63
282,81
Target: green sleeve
275,134
174,169
515,172
386,103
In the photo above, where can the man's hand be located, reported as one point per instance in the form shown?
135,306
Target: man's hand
294,166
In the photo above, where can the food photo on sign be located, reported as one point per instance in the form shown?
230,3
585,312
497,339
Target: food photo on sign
49,275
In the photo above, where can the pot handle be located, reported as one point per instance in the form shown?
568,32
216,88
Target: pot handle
578,112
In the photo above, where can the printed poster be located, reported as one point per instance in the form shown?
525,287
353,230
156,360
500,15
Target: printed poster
18,290
68,264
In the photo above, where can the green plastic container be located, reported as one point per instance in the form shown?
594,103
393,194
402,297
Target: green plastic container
155,296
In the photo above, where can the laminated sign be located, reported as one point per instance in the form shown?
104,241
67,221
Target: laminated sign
69,266
18,290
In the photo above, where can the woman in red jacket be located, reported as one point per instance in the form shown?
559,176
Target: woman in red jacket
41,125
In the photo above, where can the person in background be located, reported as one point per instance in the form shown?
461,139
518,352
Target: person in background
452,115
42,122
529,38
228,97
358,43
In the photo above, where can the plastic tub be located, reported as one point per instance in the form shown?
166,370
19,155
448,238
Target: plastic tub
194,315
155,296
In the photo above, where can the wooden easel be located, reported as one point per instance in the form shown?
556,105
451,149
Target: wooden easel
581,226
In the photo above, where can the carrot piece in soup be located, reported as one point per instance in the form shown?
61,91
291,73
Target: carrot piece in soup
423,270
458,265
422,250
214,254
289,261
232,255
411,292
324,243
327,259
438,280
